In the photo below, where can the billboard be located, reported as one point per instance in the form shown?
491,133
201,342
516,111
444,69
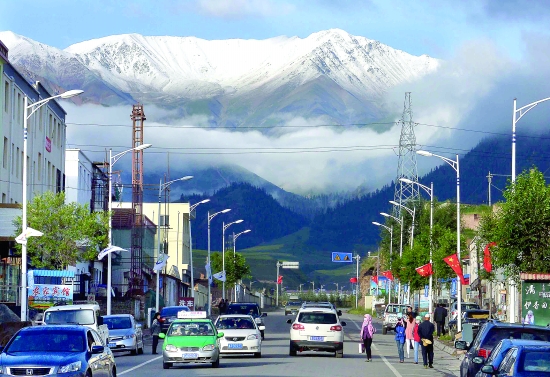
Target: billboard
535,302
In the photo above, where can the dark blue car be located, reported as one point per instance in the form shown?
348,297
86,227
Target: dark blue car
57,350
526,360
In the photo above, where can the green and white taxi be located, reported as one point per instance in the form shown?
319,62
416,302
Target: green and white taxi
191,338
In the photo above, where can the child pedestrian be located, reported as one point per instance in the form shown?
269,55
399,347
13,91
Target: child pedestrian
400,337
409,334
416,338
367,333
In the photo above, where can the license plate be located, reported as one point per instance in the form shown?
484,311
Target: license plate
235,346
190,356
317,338
111,345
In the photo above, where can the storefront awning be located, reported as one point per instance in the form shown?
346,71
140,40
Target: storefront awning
54,273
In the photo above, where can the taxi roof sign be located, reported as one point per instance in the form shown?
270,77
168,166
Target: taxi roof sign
187,315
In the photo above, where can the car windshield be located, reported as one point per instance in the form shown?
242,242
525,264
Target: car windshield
535,361
396,309
190,329
235,323
173,311
243,309
75,317
496,334
320,318
47,341
117,323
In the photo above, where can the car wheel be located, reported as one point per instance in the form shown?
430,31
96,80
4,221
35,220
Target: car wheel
113,372
263,336
216,364
165,365
88,373
258,355
140,350
339,354
384,330
292,352
135,350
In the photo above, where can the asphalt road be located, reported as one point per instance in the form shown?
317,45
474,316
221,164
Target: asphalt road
275,361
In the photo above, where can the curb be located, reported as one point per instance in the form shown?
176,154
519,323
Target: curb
449,350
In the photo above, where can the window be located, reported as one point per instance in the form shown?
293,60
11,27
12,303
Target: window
6,96
39,174
17,163
19,106
12,159
5,154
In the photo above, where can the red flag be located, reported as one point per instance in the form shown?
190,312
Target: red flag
374,279
487,257
454,263
387,274
353,280
425,270
280,279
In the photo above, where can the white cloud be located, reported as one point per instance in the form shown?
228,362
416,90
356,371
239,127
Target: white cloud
243,8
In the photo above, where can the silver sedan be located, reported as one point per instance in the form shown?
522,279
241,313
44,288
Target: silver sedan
125,334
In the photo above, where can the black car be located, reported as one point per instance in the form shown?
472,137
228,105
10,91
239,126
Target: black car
474,317
488,337
250,308
292,307
57,350
169,314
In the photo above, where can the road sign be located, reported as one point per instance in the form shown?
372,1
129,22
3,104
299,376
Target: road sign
342,257
290,265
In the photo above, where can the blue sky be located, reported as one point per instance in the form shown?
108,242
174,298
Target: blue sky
436,28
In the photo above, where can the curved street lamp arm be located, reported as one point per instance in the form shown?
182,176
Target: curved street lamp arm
217,213
523,110
410,211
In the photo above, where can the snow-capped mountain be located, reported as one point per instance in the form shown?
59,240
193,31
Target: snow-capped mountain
330,75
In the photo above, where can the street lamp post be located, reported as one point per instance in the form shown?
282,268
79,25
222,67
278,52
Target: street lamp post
455,165
235,236
112,161
210,217
33,107
400,221
412,212
389,229
224,227
357,259
191,208
515,118
162,187
430,192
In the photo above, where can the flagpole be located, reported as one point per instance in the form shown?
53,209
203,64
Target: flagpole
430,293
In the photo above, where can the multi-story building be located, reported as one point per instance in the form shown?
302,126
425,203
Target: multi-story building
45,159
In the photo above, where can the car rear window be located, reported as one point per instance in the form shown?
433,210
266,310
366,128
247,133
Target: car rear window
294,304
535,361
496,334
396,308
469,306
477,315
172,311
243,309
320,318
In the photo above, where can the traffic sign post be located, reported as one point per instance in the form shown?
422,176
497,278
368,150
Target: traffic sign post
342,257
288,266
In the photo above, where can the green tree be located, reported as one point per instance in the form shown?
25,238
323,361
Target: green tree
236,267
71,233
521,226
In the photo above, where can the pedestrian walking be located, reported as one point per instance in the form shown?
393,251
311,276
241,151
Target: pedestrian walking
416,338
426,332
409,334
400,337
155,331
222,306
367,333
440,314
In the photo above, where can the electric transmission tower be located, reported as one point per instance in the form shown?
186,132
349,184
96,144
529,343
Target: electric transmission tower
406,166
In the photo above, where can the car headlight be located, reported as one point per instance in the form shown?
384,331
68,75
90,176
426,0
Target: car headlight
209,347
171,348
251,337
72,367
129,336
258,320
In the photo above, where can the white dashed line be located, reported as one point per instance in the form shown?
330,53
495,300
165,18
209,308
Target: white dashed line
139,366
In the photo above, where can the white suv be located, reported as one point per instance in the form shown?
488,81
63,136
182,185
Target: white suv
317,329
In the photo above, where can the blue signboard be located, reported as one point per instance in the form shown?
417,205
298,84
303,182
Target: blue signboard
342,257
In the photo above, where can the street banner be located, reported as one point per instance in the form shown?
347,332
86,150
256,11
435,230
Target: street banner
42,296
161,262
109,249
220,276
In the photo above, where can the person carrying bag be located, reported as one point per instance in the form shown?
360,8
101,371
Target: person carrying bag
400,337
367,333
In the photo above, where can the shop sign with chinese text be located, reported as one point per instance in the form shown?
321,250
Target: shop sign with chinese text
535,302
45,295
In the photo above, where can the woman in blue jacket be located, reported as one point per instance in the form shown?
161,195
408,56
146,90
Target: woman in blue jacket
400,337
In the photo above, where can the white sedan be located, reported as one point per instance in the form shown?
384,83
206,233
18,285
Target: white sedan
241,335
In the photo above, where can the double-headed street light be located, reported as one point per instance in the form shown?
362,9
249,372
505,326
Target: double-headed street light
209,269
224,227
400,221
112,161
33,107
191,209
455,165
430,192
389,229
235,236
162,187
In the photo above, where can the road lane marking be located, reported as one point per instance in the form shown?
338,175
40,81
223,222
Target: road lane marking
391,367
139,366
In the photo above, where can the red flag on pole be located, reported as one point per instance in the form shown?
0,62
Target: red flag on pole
425,270
353,280
280,279
374,279
487,257
387,274
454,263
